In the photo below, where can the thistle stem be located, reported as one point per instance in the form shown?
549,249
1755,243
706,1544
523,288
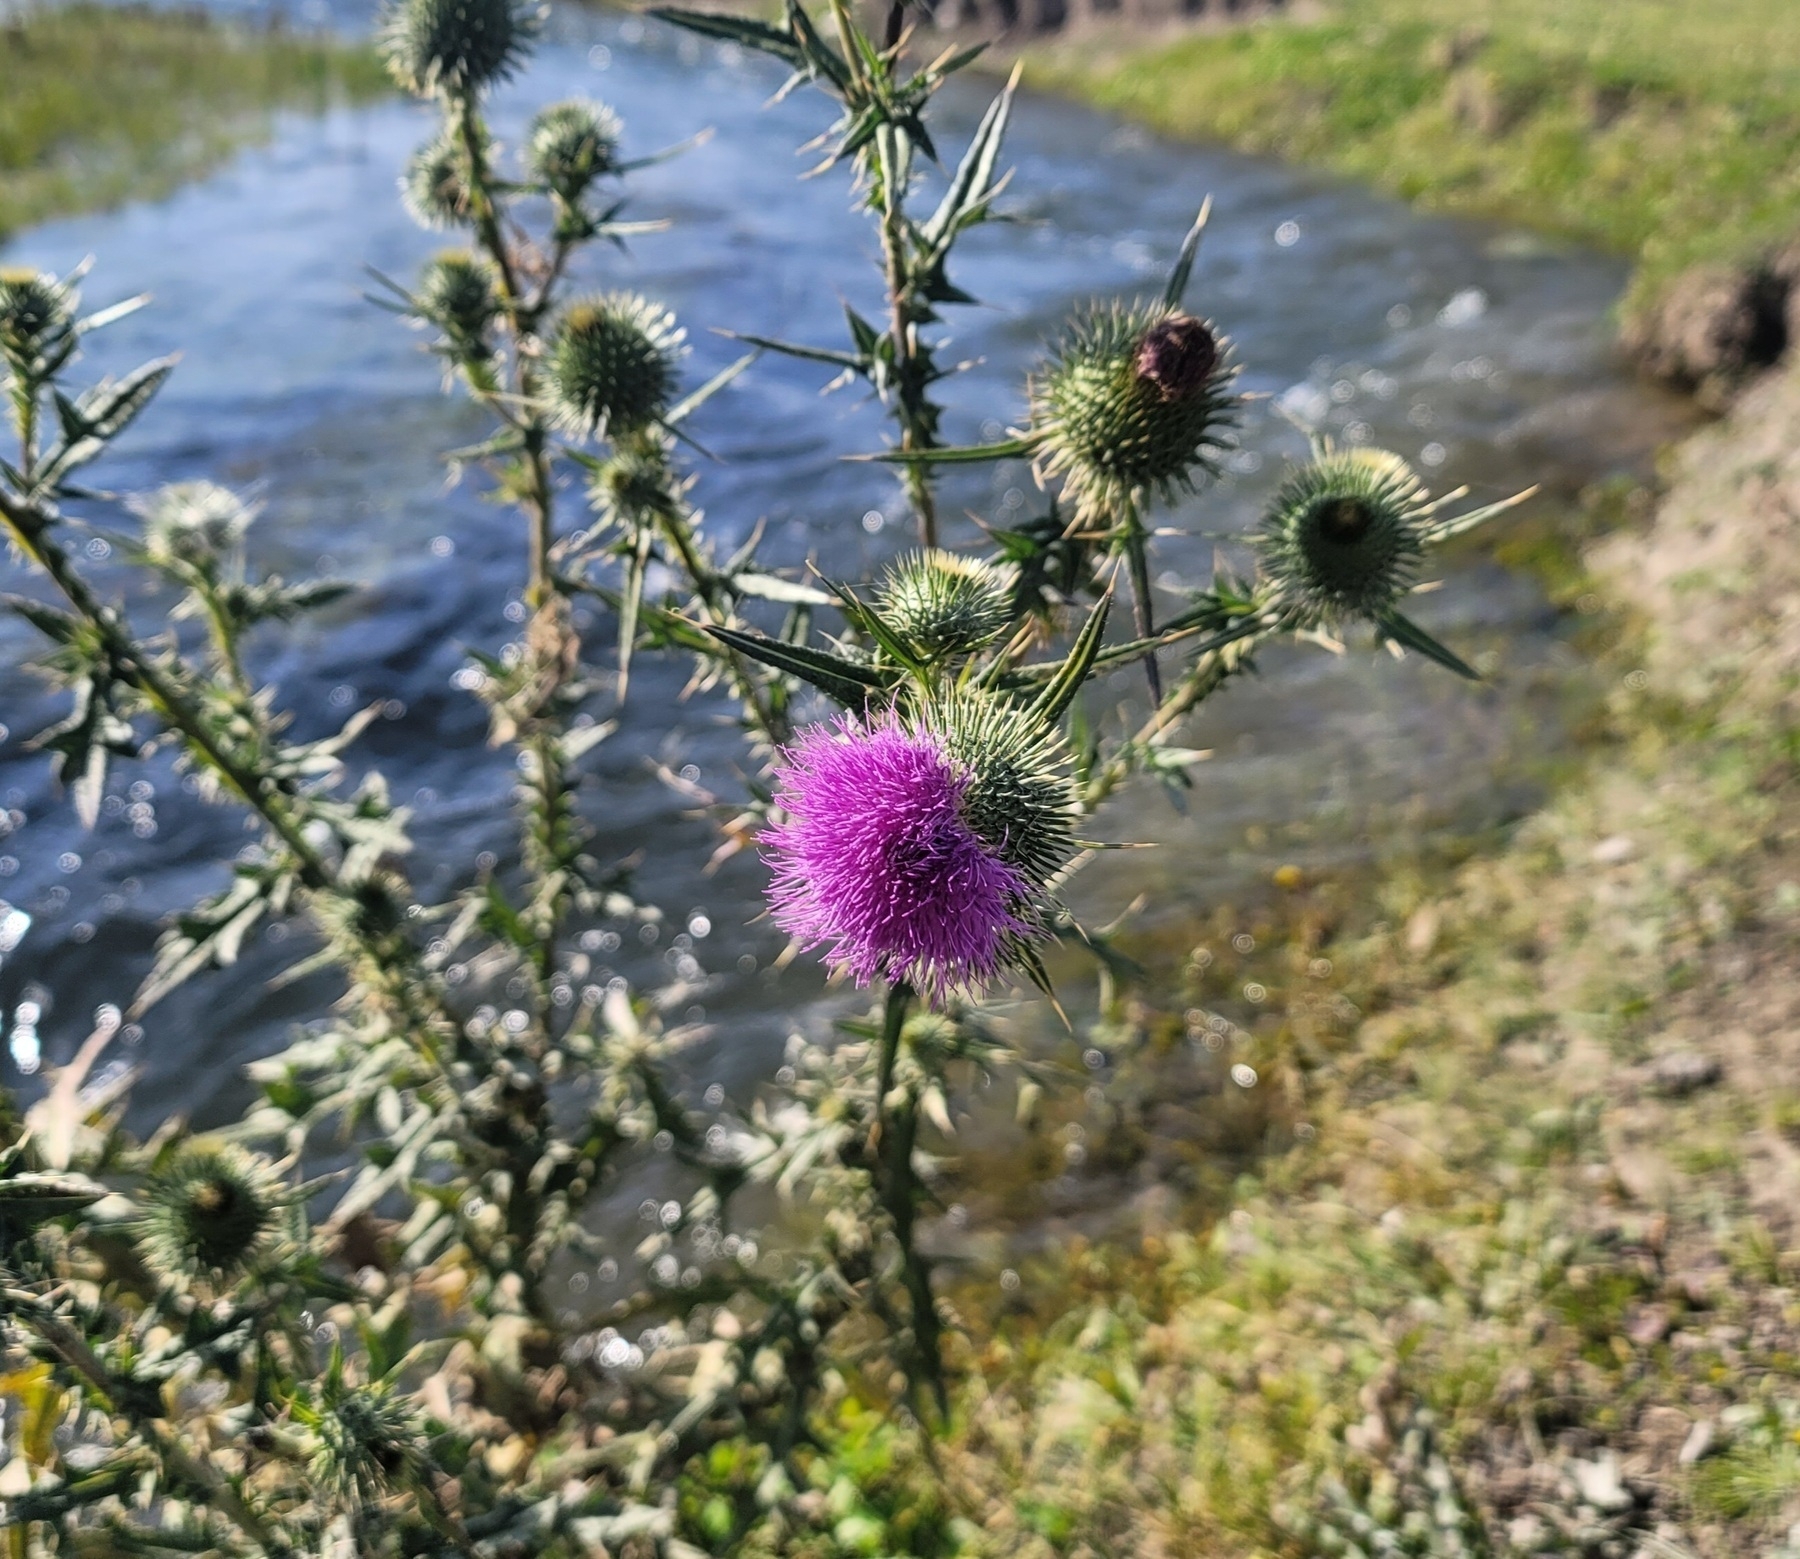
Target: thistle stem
894,1136
1138,561
705,580
29,530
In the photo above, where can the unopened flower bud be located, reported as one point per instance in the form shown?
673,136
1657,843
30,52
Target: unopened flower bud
572,144
213,1208
191,523
35,317
435,187
1134,402
1178,355
1343,536
453,47
457,294
366,1441
946,604
612,364
633,484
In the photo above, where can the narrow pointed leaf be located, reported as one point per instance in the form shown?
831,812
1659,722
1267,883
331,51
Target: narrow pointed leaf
871,622
1409,635
816,354
951,455
668,153
687,407
742,30
974,175
101,318
1184,262
842,681
1054,701
1455,526
770,587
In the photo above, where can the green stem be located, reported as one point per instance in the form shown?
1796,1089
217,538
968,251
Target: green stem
481,202
225,645
30,530
704,578
896,1185
909,389
1138,558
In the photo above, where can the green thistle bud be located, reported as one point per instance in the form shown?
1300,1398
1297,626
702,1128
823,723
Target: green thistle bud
612,365
1344,535
196,524
1019,798
1134,402
458,295
214,1209
572,144
945,604
36,318
366,1441
448,48
634,484
435,187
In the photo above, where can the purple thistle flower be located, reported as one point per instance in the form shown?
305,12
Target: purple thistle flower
877,862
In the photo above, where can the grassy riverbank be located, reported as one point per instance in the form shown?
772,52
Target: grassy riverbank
100,104
1660,129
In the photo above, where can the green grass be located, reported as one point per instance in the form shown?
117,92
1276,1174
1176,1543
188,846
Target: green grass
1666,131
100,104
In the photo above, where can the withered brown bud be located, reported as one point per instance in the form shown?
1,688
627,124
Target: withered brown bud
1177,355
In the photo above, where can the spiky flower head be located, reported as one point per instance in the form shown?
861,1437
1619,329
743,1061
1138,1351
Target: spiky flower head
944,603
451,48
571,144
457,294
213,1210
634,484
435,186
612,365
36,318
1344,535
1134,401
196,524
366,1441
920,850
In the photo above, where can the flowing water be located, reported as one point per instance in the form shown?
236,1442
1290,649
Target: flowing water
1480,351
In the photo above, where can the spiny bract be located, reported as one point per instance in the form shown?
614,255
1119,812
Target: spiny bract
457,294
194,523
1343,536
1019,798
572,144
945,604
1135,401
366,1441
435,187
634,484
612,364
36,317
454,47
213,1209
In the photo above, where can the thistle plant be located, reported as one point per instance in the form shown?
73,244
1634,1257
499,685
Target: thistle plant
382,1359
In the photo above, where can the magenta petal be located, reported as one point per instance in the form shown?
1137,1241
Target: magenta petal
876,864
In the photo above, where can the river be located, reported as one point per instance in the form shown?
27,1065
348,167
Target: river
1479,350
